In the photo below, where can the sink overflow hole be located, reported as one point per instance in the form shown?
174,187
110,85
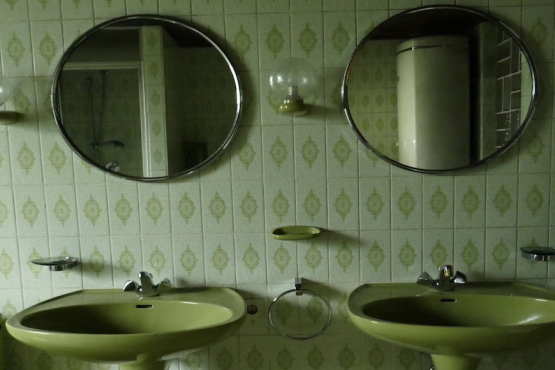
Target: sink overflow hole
448,300
144,306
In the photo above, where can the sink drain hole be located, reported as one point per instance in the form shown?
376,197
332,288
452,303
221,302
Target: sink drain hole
144,306
448,300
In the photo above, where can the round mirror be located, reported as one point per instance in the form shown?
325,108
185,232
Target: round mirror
439,88
146,98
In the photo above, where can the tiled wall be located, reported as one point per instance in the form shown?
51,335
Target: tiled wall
385,224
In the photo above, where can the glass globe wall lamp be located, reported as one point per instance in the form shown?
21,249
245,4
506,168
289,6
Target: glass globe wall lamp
294,80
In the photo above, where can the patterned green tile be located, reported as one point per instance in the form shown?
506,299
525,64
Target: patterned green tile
281,260
248,206
44,10
344,257
406,203
154,208
437,249
533,195
501,206
343,204
7,212
61,210
342,152
242,36
339,29
77,9
306,36
176,7
246,162
538,24
274,39
16,49
277,144
311,203
534,148
313,258
47,46
469,252
188,258
310,153
405,254
375,255
14,10
273,6
438,202
501,253
306,6
30,211
250,256
141,7
219,258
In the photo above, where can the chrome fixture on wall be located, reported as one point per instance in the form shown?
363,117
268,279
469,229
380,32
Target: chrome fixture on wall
447,280
57,263
147,288
294,80
542,254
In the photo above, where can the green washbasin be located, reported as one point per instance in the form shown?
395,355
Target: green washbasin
117,327
475,320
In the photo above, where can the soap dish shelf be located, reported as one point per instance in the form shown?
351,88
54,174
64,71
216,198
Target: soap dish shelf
296,232
57,263
538,253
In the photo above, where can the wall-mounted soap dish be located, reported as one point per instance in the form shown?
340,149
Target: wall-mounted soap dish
296,232
538,253
57,263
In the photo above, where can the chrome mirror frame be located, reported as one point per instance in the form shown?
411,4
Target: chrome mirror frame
498,152
54,95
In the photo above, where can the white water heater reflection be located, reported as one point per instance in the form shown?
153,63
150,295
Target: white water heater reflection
433,102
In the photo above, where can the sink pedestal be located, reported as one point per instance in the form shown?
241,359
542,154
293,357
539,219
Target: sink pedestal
442,362
144,365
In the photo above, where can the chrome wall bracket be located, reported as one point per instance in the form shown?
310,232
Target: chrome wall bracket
538,253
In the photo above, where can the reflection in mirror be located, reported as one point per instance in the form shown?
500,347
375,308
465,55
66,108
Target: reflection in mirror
439,88
146,98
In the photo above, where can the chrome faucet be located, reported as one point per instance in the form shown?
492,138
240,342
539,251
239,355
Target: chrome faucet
446,281
147,288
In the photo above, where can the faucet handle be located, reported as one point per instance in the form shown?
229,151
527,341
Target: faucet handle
446,271
425,276
130,286
145,275
459,278
165,285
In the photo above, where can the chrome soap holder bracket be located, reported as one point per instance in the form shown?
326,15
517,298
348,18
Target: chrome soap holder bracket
538,253
299,291
57,263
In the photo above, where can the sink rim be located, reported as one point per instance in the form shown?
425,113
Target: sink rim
129,348
380,320
370,292
107,320
474,341
99,296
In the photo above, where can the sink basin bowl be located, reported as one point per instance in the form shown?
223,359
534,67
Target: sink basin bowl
117,327
459,327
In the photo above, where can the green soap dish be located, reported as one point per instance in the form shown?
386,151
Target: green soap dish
296,232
